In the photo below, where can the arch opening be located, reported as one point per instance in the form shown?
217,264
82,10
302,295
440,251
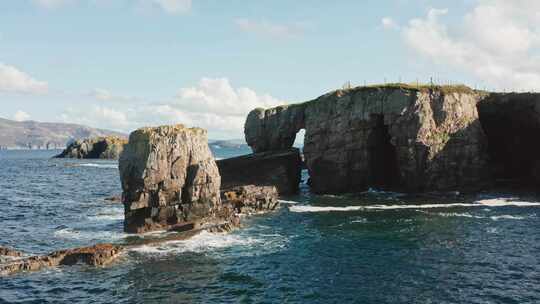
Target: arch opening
383,169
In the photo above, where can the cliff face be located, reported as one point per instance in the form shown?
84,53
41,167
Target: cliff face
394,137
169,177
100,147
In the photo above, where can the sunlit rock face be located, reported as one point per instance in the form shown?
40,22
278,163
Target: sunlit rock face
169,177
394,137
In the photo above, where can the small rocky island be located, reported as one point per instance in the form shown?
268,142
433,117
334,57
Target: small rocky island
109,147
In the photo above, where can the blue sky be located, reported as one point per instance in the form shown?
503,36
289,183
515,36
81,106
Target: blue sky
122,64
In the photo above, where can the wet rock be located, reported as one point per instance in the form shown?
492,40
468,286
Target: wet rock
5,251
281,169
95,148
395,137
251,199
96,255
169,177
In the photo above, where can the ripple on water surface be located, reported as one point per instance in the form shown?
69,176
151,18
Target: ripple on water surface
375,247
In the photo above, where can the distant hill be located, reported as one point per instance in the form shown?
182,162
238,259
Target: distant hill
44,135
227,143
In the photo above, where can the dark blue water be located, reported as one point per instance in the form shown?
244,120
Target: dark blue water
372,247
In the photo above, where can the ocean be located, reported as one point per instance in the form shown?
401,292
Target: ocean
369,247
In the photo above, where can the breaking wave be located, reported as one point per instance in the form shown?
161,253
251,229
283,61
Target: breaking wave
287,202
202,242
207,242
108,214
480,203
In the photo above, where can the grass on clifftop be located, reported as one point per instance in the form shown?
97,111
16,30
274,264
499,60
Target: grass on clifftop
423,87
445,89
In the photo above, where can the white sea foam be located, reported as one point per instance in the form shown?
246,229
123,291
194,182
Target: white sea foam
202,242
456,214
108,214
506,217
107,166
480,203
287,202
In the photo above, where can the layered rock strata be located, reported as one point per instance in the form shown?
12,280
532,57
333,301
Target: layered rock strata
280,169
251,199
99,148
391,137
169,177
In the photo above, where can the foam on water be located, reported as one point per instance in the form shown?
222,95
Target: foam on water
108,214
287,202
207,242
456,214
480,203
202,242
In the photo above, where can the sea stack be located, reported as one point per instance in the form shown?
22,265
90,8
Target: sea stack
169,177
109,147
398,137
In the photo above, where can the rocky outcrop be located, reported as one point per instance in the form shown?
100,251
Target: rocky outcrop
96,255
280,169
251,199
5,251
169,177
390,137
99,147
512,124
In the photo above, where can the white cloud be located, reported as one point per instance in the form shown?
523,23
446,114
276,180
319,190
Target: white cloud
389,23
213,104
21,116
13,80
264,28
498,42
216,95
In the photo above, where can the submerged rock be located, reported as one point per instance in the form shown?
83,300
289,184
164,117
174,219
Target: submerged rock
5,251
392,137
99,148
96,255
169,177
280,169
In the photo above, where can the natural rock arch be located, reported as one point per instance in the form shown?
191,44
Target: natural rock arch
428,137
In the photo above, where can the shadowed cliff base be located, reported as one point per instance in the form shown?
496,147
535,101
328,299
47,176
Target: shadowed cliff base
512,125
